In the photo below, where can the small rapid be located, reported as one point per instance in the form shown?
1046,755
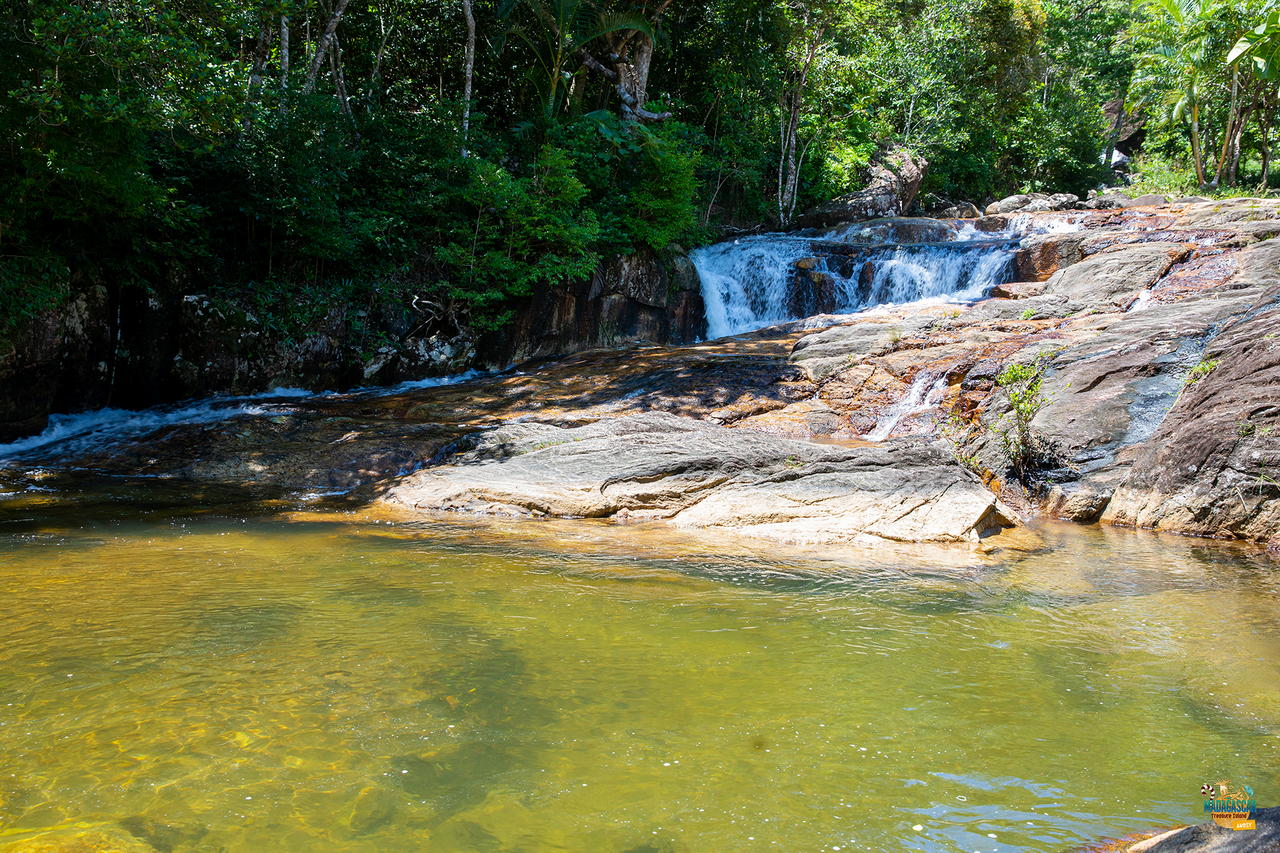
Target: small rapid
71,434
761,280
924,394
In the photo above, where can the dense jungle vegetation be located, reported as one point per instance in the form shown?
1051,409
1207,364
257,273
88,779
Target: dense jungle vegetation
295,152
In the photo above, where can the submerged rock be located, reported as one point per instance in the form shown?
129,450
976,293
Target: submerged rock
105,838
694,474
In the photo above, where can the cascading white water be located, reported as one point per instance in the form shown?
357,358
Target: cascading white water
750,282
922,396
908,273
69,434
744,281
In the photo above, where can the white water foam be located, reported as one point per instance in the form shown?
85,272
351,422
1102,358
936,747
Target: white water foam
744,281
747,283
921,397
911,273
70,434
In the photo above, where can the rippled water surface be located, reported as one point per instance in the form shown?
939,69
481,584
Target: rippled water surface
339,683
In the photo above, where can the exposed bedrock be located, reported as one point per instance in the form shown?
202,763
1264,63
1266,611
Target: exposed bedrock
1211,838
700,475
1155,331
1159,332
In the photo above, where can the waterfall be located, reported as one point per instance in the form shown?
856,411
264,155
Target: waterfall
925,393
745,281
753,282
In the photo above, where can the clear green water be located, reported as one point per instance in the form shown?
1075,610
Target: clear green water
328,685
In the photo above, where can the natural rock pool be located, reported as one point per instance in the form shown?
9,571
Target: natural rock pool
355,682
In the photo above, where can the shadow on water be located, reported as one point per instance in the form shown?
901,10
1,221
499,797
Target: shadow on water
374,595
1237,732
164,837
229,629
484,693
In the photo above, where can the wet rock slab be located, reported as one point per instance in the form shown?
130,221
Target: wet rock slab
1126,305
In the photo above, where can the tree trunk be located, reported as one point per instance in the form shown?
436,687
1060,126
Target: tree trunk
633,58
375,76
1195,143
641,60
322,47
284,59
1268,116
1236,138
630,58
792,105
469,65
1233,115
339,81
789,123
260,51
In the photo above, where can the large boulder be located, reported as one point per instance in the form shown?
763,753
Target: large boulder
893,229
960,210
1211,838
1041,255
1114,277
893,182
1032,203
694,474
1110,200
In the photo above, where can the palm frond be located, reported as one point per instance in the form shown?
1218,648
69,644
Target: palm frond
614,22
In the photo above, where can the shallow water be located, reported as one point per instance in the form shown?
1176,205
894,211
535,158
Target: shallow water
349,683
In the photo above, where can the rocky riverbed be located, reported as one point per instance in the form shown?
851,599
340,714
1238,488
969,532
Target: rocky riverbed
1156,330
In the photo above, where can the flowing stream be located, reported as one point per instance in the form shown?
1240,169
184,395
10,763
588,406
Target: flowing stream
67,435
753,282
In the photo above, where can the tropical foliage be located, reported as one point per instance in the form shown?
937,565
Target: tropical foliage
1208,77
467,153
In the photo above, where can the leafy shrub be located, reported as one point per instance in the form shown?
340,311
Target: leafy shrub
1022,385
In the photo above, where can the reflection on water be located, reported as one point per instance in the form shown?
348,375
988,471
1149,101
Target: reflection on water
352,684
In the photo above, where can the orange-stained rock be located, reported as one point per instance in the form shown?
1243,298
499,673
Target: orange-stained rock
1017,290
1040,257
